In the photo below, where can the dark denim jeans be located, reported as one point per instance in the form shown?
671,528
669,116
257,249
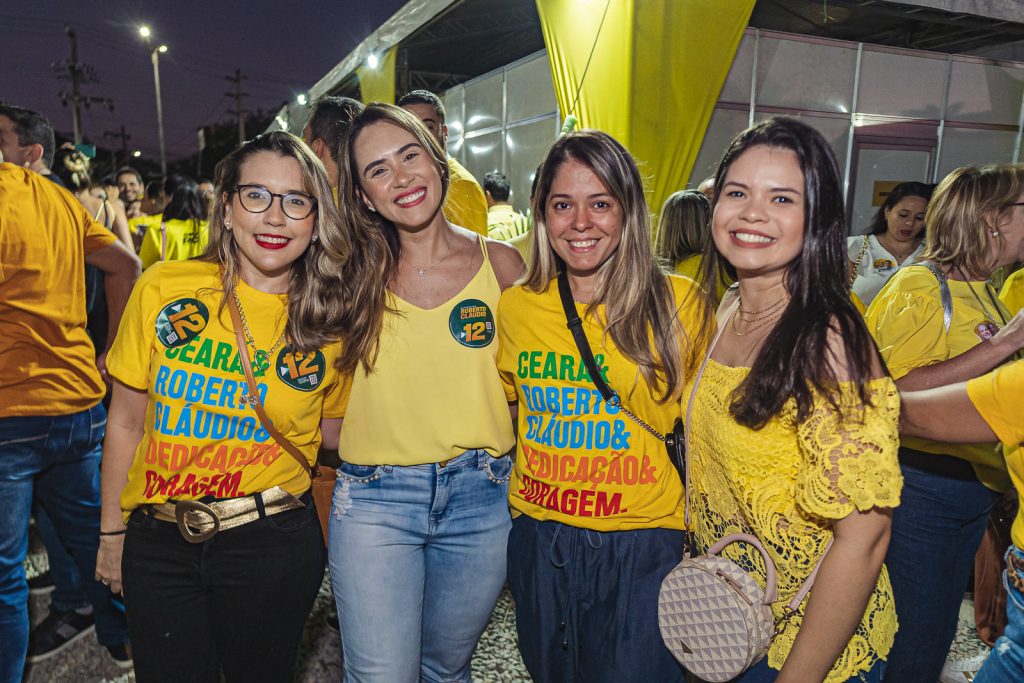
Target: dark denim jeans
587,601
235,604
56,460
936,531
68,592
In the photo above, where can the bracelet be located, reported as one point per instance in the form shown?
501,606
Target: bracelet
114,533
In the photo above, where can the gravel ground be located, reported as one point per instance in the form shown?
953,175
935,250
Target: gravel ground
496,661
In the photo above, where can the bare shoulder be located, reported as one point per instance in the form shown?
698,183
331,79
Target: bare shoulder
507,262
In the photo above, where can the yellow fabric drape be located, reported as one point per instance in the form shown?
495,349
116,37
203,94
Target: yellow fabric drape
378,85
655,71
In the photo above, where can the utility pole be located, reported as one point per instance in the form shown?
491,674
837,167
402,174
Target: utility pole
79,74
238,95
123,135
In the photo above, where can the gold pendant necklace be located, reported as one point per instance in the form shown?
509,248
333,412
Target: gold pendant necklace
424,271
260,358
984,309
765,316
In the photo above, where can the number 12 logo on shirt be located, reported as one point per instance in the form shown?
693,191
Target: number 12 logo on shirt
472,323
302,371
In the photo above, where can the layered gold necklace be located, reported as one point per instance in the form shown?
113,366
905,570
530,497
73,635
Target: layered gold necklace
756,320
260,358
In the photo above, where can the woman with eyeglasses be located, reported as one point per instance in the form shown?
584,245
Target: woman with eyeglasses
207,522
940,322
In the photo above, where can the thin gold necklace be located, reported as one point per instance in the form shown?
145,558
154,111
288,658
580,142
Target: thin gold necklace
765,316
261,358
424,271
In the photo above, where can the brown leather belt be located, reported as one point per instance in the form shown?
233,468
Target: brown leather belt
1015,571
199,522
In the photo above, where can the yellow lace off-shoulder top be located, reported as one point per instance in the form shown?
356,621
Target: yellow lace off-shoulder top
785,483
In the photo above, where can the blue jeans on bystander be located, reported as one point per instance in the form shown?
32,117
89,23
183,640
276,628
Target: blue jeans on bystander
56,460
1006,663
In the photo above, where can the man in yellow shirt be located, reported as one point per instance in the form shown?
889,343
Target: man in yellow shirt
465,204
131,191
503,221
327,122
51,384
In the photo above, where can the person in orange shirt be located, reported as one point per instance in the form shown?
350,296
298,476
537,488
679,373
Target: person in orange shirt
51,384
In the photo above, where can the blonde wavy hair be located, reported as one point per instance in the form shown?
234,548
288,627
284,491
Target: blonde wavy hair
376,247
964,210
317,315
640,313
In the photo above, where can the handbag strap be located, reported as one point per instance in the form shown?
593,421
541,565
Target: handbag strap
575,325
860,258
253,397
771,578
944,294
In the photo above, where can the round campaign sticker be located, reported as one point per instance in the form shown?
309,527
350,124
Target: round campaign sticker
302,371
181,321
471,323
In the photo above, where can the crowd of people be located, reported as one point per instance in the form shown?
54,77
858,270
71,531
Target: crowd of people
499,389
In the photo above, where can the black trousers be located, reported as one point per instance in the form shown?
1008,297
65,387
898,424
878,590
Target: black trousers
236,603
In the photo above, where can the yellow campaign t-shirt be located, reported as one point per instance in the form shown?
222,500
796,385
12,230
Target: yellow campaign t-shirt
785,484
1012,292
465,205
997,397
173,240
201,438
47,361
580,461
906,320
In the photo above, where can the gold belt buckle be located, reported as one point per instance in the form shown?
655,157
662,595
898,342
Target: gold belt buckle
182,508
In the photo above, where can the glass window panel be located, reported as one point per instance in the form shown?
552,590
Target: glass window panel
453,100
901,85
723,127
835,130
483,103
974,147
530,90
799,75
984,93
525,148
483,154
737,83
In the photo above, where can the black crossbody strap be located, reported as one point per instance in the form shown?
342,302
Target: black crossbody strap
575,325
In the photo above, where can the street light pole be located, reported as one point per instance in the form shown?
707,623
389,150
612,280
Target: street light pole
154,55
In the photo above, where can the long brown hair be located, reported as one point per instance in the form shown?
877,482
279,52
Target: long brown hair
642,317
376,247
317,315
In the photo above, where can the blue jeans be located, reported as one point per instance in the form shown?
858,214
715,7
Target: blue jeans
417,558
587,601
56,460
936,531
762,673
68,591
1006,663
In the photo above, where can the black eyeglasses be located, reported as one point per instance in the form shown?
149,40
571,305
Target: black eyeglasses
257,199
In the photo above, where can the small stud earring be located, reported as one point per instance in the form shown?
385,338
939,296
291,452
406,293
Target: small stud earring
316,238
995,233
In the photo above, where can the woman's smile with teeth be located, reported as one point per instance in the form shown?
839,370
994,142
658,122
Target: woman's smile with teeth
273,239
752,238
410,198
582,244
